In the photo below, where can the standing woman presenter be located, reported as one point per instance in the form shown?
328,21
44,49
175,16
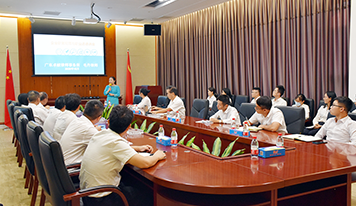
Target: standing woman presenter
112,91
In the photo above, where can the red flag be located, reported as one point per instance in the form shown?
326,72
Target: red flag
129,96
9,88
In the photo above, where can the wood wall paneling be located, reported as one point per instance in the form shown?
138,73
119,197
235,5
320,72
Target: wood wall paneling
56,86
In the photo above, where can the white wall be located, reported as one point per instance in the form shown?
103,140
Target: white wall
8,28
142,57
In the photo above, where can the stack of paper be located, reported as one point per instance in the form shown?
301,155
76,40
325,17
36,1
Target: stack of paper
301,137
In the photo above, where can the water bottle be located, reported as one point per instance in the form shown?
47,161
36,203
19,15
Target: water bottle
109,103
105,103
280,140
245,131
177,117
254,147
174,138
160,132
233,124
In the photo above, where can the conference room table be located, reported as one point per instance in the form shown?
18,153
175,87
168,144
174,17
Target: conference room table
309,174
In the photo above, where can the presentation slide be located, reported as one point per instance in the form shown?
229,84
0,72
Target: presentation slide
68,55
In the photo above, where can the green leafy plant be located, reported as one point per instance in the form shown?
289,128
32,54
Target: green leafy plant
143,126
107,111
81,108
216,147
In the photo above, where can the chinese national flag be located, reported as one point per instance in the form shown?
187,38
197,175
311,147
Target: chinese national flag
9,88
129,98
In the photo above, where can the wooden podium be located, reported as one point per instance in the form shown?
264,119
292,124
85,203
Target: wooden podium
153,95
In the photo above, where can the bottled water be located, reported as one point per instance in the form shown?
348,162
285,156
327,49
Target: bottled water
280,140
245,131
233,124
105,103
254,147
160,132
174,137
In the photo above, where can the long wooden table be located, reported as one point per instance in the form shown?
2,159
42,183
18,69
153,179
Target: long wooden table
310,174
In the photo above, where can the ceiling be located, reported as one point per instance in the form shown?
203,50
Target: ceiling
130,11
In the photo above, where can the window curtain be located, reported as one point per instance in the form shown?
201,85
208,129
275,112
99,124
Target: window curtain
241,44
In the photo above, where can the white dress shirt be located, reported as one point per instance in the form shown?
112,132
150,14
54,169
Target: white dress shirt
274,115
145,102
321,115
38,113
344,130
211,99
40,105
62,123
51,120
279,102
227,116
177,104
306,109
75,139
104,158
254,100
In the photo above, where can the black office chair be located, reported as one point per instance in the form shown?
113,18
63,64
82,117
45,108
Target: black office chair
310,103
162,101
10,108
213,110
137,99
233,99
200,108
353,108
183,99
294,118
287,100
239,99
33,133
352,116
62,190
321,103
246,111
26,152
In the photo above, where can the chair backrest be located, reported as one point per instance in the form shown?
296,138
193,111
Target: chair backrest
239,99
26,110
247,110
10,109
59,181
183,99
162,101
287,100
213,110
33,133
200,108
233,100
137,99
352,116
321,103
25,148
310,103
353,107
294,118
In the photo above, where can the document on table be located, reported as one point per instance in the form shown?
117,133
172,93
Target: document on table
301,137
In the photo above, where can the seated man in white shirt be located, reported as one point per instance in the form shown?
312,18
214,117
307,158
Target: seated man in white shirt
59,107
76,138
340,128
278,93
66,117
270,118
106,155
39,114
255,94
226,112
44,100
176,103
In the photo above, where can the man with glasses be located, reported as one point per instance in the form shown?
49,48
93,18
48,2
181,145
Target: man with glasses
340,128
270,118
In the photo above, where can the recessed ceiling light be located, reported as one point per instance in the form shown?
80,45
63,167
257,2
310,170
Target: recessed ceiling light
63,4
